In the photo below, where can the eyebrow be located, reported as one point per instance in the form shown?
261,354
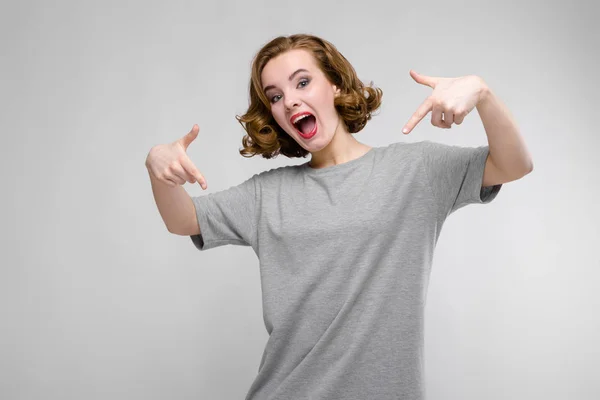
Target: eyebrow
290,78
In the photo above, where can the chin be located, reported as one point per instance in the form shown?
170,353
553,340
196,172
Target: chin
317,145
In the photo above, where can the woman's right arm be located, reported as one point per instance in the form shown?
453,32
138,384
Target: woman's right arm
175,207
169,168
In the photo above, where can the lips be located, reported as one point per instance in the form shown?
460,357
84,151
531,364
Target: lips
293,117
304,135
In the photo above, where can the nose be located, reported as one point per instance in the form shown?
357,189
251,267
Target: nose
291,102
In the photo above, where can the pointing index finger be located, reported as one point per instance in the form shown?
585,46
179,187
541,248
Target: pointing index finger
421,112
191,169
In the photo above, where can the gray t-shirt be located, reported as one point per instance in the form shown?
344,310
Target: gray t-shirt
345,255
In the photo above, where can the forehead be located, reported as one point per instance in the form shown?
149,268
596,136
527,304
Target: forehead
279,68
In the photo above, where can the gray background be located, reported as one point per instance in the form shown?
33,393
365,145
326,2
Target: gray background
99,301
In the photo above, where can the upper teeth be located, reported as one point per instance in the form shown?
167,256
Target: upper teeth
300,117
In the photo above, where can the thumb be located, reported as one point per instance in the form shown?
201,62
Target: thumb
190,136
423,79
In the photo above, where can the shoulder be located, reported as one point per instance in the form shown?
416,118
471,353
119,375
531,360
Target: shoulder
277,174
408,146
405,150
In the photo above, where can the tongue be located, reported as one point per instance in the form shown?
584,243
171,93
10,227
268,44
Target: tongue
307,124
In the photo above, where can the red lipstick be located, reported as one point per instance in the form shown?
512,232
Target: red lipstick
303,135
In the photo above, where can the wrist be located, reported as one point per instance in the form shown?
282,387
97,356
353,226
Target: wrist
484,92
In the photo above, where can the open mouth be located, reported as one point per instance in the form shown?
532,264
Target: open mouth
306,126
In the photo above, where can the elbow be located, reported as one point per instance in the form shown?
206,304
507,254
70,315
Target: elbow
173,230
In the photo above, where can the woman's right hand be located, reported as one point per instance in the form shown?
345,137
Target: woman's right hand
170,164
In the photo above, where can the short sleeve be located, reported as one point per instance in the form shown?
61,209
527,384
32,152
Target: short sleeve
227,216
455,175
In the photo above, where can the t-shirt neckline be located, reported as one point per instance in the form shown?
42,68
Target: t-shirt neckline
338,167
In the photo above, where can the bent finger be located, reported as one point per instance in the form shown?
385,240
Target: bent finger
181,173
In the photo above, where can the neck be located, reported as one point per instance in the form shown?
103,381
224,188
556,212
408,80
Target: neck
342,148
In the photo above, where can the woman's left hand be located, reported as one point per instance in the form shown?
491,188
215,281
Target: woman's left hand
453,97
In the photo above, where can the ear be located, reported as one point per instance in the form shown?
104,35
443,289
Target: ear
336,90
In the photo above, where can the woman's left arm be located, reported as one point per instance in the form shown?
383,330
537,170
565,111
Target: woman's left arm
508,151
453,99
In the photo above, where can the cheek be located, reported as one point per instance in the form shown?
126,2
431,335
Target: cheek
280,119
277,116
327,107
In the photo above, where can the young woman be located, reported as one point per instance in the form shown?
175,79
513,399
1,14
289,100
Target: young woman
345,241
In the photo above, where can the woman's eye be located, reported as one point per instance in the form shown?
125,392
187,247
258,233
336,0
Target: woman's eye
306,81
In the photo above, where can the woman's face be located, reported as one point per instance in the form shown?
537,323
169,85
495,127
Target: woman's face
291,92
